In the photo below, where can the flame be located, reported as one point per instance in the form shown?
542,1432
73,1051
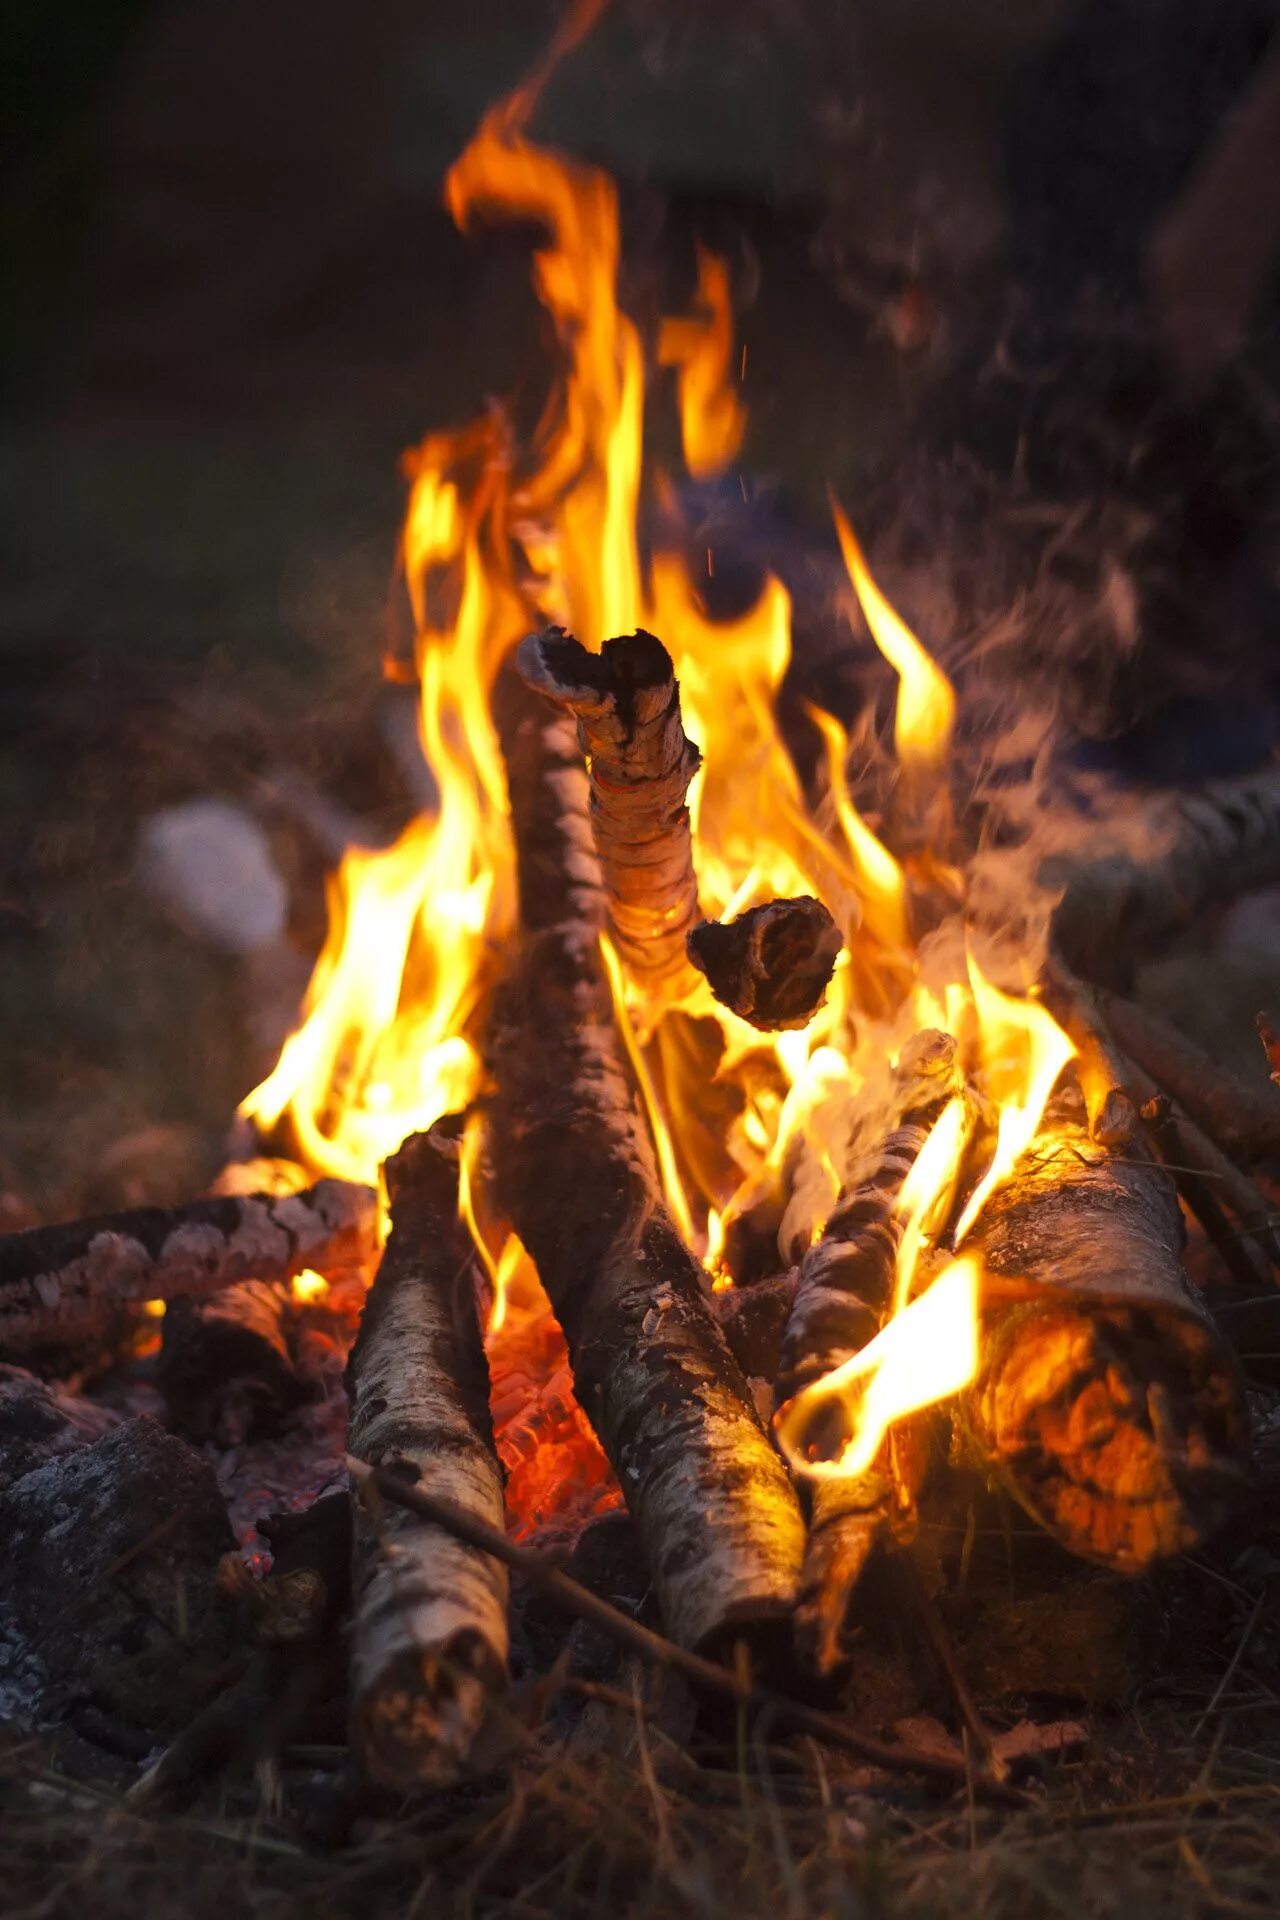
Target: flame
712,420
500,538
1023,1053
926,708
155,1309
924,1354
308,1287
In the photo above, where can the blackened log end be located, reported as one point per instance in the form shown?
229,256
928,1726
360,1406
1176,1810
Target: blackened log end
773,964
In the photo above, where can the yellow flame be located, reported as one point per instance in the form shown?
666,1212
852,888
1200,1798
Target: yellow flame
925,1353
712,420
155,1309
925,1191
926,705
1023,1053
881,884
308,1287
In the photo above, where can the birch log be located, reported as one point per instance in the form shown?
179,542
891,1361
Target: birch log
627,705
714,1506
429,1634
66,1284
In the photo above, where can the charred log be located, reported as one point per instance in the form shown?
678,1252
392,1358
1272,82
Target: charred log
429,1639
1106,1399
40,1422
627,705
717,1517
1241,1116
63,1285
1215,844
772,965
225,1367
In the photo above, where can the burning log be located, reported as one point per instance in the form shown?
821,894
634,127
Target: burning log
1243,1118
843,1294
1105,1397
772,965
225,1367
717,1516
1215,844
627,705
429,1645
64,1285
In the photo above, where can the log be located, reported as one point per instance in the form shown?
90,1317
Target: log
226,1367
1241,1116
429,1631
627,705
1106,1400
773,964
1209,847
64,1285
718,1520
1165,1133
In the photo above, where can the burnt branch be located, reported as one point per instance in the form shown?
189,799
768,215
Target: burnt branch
429,1633
773,964
66,1284
627,706
574,1173
1241,1116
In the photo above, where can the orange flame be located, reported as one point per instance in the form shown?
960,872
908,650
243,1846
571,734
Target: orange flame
309,1287
712,421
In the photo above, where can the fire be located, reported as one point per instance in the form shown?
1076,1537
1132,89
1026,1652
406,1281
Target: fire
309,1287
925,1353
501,538
926,706
712,420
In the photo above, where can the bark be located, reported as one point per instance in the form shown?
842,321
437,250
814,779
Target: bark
627,706
64,1285
772,965
717,1517
429,1634
1212,845
1106,1399
1241,1116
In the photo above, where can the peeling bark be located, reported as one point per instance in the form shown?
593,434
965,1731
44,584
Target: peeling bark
429,1635
772,965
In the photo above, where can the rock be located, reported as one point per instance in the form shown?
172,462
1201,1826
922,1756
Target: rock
40,1422
108,1595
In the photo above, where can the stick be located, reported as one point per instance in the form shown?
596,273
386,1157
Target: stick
718,1520
727,1683
772,965
627,706
429,1629
1241,1117
1105,1399
1217,843
66,1284
1166,1136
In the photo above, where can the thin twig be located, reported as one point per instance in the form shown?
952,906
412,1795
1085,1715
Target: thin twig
940,1645
652,1647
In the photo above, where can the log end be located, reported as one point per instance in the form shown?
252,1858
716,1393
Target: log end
1127,1444
772,965
420,1726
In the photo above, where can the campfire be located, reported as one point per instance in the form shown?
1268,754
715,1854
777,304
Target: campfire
717,1109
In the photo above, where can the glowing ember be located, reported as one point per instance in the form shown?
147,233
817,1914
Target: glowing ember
309,1287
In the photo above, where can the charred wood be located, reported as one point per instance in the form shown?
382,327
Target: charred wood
1106,1399
1214,844
574,1172
40,1422
1165,1134
627,706
429,1635
1241,1116
773,964
67,1284
225,1367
